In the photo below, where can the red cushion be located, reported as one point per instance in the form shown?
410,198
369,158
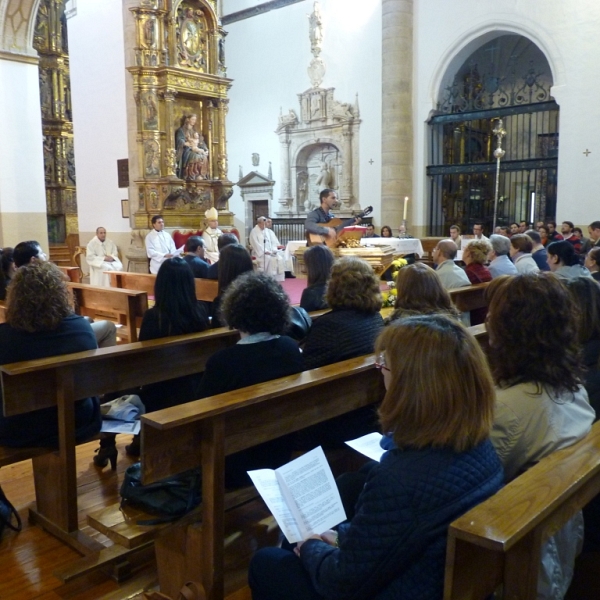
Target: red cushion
181,238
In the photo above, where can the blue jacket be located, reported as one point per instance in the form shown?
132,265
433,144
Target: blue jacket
395,547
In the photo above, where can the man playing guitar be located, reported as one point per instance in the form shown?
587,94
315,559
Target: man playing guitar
328,200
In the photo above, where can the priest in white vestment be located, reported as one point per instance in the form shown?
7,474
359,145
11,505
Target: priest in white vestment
102,255
264,248
159,244
210,235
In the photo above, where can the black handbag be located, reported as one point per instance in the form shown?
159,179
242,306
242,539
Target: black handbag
169,498
300,323
7,512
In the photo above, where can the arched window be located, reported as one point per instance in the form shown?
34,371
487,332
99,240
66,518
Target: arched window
508,78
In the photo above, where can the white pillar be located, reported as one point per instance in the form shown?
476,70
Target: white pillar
397,124
22,188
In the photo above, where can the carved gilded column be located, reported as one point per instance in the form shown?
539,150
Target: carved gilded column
170,162
347,191
222,163
286,189
213,140
397,129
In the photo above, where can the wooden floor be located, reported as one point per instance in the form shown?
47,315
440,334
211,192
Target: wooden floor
30,558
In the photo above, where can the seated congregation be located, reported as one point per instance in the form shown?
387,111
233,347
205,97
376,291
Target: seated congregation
458,420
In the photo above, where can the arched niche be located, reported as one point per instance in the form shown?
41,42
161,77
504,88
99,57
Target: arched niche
316,166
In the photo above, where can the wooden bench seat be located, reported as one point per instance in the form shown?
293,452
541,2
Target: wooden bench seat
203,432
470,297
499,541
61,380
206,289
129,306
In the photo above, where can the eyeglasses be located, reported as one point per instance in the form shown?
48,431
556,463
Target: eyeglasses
380,363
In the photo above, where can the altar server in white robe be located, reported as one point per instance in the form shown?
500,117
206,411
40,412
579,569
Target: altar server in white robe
210,235
159,244
264,248
102,255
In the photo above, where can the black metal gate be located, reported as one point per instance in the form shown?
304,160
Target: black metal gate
462,172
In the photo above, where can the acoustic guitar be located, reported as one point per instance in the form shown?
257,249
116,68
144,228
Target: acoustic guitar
315,239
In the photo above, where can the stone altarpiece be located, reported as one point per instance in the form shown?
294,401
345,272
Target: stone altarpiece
50,41
180,71
319,149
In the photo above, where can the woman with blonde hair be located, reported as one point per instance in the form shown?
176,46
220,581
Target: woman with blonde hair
420,292
352,325
475,256
440,463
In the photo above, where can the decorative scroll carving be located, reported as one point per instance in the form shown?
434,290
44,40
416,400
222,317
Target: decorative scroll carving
191,38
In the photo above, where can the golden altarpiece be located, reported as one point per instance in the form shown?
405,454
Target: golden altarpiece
50,40
180,88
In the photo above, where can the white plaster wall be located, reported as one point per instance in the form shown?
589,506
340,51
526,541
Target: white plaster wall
268,56
99,113
567,33
21,158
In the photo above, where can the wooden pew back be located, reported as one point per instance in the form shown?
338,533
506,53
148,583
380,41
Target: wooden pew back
470,297
128,305
499,541
206,289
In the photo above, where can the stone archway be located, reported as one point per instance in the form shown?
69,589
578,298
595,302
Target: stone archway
508,77
17,22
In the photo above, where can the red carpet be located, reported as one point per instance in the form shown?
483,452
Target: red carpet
293,288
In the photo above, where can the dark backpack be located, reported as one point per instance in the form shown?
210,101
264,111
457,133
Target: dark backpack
7,512
169,498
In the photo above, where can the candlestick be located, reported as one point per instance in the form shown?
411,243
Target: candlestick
405,207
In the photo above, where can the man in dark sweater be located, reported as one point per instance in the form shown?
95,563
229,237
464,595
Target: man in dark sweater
194,256
538,253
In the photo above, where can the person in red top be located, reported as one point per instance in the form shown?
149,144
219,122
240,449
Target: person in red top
475,256
566,229
553,235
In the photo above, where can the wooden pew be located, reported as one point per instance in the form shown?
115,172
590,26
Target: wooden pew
74,274
499,541
470,297
203,432
128,305
206,289
60,381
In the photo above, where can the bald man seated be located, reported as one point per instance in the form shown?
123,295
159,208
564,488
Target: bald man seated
451,275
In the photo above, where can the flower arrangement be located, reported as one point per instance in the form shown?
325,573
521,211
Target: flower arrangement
389,297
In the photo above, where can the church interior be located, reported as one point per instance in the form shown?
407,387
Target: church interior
433,113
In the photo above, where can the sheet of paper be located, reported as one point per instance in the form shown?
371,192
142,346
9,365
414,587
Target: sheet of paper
112,426
179,251
368,445
265,481
311,493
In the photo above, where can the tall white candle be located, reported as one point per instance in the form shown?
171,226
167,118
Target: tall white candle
405,206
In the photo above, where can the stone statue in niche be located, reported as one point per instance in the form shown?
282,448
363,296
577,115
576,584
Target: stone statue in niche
45,94
151,153
191,38
290,120
150,33
302,183
325,179
222,65
150,111
192,152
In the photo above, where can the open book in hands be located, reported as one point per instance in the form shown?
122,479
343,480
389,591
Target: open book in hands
302,496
